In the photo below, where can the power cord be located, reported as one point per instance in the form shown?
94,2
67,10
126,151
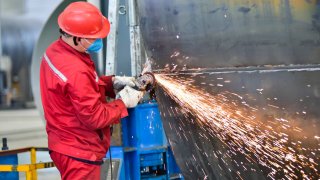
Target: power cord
110,163
111,131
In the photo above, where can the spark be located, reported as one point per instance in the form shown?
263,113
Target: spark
273,106
194,157
175,54
240,131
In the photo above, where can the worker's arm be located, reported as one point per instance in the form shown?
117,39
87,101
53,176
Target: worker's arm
89,108
116,83
109,85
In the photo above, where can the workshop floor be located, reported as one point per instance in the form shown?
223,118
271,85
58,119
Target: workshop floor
25,128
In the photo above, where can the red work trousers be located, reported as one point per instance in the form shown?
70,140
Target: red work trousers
73,169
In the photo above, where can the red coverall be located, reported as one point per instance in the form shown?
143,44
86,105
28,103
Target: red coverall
77,115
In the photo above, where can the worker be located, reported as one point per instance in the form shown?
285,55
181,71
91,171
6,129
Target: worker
78,118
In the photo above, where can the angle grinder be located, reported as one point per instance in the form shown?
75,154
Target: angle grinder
145,82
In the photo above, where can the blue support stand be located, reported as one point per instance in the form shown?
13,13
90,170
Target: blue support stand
145,152
118,154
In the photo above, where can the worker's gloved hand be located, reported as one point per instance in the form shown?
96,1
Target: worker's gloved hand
130,96
120,82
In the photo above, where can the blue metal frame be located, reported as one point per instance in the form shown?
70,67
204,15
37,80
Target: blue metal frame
12,160
146,153
117,153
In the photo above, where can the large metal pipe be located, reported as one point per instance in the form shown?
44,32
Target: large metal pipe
231,33
238,85
18,36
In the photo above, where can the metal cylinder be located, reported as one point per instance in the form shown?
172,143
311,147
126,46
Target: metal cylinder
18,36
218,33
238,85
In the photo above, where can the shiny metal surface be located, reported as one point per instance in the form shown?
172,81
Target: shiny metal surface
216,33
238,85
242,125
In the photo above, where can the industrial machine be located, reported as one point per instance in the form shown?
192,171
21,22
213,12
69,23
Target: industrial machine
237,85
145,152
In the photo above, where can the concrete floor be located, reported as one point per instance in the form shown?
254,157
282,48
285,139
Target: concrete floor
25,128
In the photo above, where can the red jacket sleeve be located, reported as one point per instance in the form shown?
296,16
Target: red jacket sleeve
89,107
109,86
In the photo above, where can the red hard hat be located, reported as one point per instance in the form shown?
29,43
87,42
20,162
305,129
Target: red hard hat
82,19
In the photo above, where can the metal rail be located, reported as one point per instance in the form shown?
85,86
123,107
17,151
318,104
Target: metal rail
29,169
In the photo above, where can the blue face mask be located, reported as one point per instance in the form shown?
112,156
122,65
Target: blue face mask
95,46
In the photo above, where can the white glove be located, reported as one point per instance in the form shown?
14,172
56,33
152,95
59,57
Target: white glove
130,96
120,82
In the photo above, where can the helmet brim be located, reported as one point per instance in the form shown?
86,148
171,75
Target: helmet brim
103,32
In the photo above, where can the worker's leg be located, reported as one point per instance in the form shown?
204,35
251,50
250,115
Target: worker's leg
73,169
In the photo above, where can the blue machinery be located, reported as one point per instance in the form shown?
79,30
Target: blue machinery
145,153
